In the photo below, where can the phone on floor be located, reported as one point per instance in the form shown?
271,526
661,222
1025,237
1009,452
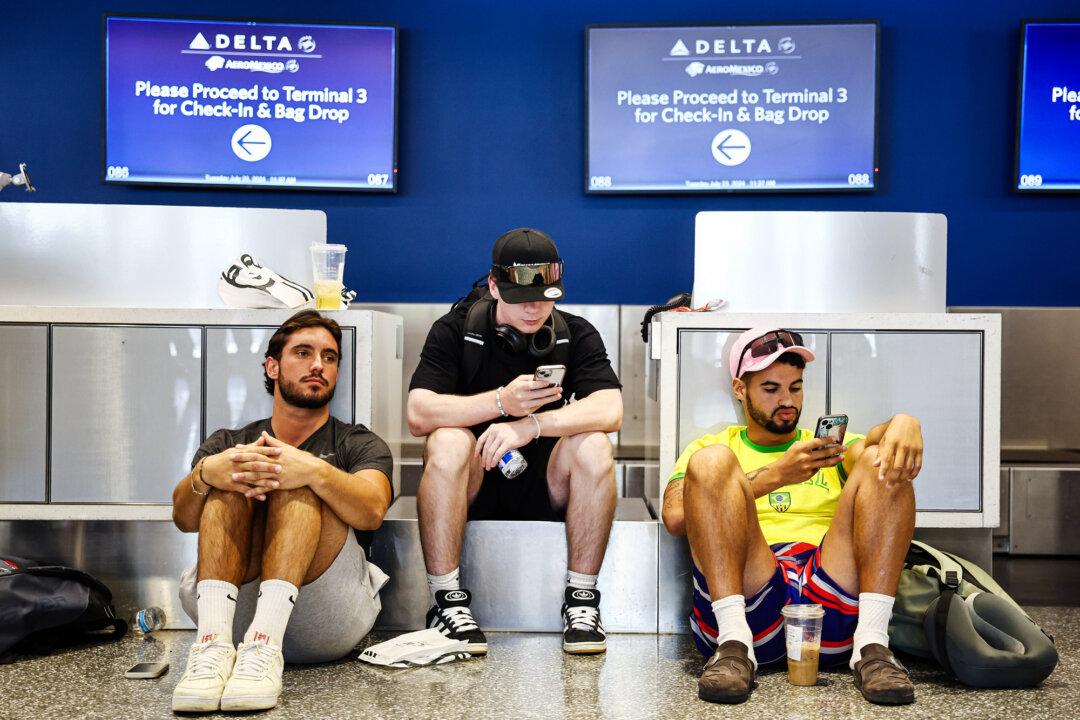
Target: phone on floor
551,374
147,670
832,426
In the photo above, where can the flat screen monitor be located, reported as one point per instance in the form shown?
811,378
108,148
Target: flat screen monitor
1048,116
731,108
253,104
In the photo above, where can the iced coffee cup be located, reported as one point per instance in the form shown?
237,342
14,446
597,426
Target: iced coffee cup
802,629
328,267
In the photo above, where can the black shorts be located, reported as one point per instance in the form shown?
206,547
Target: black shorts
522,498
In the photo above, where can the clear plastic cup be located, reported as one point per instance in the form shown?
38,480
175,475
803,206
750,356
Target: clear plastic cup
328,269
802,629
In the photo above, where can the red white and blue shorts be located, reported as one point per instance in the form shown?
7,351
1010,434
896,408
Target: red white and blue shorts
799,579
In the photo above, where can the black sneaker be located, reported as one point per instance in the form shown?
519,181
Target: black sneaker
451,616
583,633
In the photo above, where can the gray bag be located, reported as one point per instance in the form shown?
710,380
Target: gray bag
950,610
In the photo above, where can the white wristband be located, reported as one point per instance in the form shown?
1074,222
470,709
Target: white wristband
498,401
537,421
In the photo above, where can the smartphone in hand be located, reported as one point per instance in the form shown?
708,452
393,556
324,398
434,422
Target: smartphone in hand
832,427
550,374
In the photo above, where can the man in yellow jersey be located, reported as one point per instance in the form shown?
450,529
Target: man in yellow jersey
775,516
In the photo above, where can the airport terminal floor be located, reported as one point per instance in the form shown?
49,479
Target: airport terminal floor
526,675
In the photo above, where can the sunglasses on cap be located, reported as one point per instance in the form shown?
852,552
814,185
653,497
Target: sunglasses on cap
531,273
767,344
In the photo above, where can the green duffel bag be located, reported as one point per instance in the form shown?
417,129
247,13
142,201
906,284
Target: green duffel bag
950,610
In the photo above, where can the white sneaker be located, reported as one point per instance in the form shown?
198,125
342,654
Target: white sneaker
208,667
255,683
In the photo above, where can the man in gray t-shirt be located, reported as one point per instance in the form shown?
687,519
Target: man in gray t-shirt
273,503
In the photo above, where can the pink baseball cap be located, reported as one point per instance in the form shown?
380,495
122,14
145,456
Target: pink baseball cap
758,348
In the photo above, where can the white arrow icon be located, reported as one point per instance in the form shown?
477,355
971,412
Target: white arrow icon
730,147
251,142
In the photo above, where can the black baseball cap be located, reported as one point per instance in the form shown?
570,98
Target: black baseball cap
526,266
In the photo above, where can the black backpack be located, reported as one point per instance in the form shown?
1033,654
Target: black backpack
44,607
477,307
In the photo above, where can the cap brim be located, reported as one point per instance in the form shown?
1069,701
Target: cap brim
514,294
761,363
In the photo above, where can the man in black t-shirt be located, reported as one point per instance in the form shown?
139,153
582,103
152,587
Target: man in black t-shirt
274,502
475,398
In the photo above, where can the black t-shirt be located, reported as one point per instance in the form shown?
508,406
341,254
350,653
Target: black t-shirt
347,447
587,370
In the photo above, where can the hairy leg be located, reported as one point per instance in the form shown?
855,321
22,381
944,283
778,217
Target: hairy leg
451,480
225,530
294,527
581,478
722,526
866,544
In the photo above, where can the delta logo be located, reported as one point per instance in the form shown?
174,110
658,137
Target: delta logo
730,46
251,42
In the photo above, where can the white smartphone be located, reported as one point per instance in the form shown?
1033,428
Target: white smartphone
147,670
551,374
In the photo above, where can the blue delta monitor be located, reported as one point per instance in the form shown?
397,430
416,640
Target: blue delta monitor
1048,117
250,104
744,108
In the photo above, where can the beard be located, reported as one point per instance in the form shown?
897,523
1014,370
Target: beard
770,423
298,395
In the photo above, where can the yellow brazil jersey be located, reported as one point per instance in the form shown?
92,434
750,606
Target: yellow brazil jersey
793,513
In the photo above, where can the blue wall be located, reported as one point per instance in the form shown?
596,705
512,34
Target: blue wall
490,137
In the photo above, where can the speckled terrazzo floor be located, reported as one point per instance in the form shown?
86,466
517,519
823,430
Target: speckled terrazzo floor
526,676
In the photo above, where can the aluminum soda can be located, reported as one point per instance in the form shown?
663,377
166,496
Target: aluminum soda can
512,463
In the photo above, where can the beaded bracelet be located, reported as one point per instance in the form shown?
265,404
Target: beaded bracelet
498,401
537,421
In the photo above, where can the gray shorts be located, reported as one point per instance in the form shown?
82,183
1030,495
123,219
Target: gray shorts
332,614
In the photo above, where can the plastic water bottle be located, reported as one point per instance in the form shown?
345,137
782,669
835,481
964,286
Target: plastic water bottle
512,463
147,621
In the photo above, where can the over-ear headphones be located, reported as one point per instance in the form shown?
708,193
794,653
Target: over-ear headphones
538,345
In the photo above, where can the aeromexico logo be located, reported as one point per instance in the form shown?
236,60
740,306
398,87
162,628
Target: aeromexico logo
456,595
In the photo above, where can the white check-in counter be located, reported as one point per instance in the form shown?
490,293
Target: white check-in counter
945,369
102,409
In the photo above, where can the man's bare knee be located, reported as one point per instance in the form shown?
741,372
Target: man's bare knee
593,454
867,459
280,499
448,450
712,465
226,507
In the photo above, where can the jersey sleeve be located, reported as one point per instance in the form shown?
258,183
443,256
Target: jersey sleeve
849,440
440,359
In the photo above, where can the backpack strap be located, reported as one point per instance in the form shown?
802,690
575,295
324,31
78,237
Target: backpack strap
951,582
935,561
478,327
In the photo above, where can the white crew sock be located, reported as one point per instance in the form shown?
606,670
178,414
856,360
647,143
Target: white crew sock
874,613
731,623
449,581
276,601
215,601
581,580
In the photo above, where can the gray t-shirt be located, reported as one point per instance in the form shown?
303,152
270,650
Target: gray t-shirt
347,447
